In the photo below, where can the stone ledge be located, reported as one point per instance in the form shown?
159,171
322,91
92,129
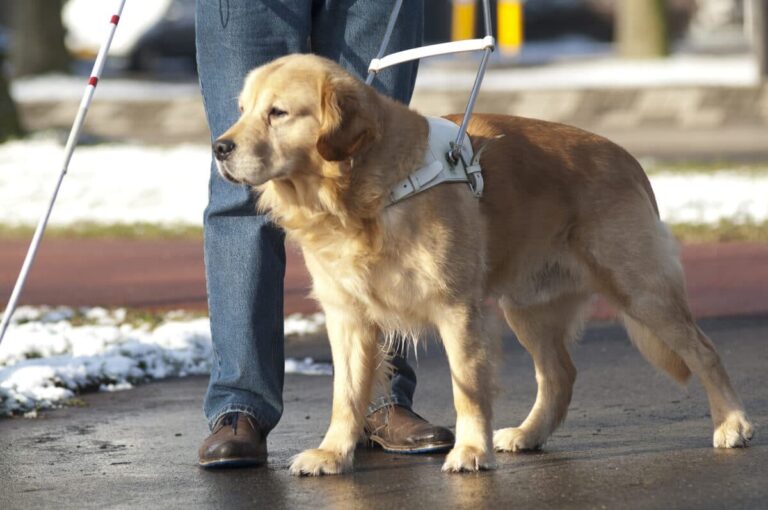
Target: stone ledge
705,113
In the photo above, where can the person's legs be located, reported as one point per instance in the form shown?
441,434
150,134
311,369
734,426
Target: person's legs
350,32
244,252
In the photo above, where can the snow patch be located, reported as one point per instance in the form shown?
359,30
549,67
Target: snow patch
45,359
87,23
105,184
299,325
709,198
114,183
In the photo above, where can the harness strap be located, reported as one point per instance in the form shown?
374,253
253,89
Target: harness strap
437,168
475,173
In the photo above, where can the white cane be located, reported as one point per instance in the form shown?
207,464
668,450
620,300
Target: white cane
74,136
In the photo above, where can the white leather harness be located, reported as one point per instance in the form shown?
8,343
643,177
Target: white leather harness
437,167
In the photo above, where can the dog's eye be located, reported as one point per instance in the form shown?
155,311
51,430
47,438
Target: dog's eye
240,107
276,112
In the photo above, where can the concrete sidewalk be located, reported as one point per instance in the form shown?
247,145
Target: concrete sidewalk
632,440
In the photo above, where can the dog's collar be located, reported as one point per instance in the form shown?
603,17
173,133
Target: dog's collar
437,167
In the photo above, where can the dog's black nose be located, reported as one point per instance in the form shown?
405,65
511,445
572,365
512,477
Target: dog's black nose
222,148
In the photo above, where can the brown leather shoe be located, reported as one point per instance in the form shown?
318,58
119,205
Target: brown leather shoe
399,430
236,441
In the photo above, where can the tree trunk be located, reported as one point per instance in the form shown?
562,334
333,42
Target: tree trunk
641,28
10,127
760,36
37,45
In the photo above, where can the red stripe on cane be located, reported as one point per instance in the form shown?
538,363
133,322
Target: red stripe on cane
93,80
115,19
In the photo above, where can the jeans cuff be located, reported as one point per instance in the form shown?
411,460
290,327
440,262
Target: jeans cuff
386,401
238,408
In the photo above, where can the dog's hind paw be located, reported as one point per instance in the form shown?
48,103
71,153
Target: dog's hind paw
515,439
735,432
318,462
468,458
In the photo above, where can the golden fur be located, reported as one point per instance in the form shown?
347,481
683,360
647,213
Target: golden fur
565,214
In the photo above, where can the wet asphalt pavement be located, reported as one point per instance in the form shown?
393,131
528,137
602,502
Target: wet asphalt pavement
632,439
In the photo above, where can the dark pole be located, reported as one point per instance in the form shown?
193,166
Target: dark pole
10,126
760,24
37,42
641,28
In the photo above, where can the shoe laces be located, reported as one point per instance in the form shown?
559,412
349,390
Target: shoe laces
230,420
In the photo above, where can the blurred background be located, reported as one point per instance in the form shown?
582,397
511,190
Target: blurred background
560,47
680,83
543,45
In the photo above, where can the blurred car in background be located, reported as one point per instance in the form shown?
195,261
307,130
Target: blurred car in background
155,37
158,37
169,45
550,19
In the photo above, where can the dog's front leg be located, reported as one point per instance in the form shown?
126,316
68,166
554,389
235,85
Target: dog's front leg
470,352
355,359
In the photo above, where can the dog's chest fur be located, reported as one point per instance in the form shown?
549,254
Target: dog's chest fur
398,290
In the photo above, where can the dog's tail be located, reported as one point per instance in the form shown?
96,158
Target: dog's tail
656,351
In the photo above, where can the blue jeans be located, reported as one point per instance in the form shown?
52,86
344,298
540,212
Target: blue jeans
244,252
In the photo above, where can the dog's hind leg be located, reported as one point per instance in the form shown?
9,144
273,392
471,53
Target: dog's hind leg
689,348
470,356
545,331
356,356
646,283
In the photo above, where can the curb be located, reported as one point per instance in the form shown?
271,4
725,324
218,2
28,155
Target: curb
682,107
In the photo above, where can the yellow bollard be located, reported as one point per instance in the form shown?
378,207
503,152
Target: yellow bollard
510,26
463,20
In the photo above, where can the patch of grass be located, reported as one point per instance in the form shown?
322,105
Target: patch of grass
136,317
75,402
85,316
724,231
92,230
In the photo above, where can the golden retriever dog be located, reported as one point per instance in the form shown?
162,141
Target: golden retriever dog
565,214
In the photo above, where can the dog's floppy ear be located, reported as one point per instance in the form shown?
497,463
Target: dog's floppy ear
348,119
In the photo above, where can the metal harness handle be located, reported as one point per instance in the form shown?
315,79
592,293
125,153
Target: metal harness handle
487,44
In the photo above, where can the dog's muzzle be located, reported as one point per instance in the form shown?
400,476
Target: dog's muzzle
223,148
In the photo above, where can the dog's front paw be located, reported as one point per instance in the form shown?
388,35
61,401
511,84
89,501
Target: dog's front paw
468,458
734,432
515,439
318,462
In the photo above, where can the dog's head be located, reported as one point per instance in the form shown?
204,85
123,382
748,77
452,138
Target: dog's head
297,112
